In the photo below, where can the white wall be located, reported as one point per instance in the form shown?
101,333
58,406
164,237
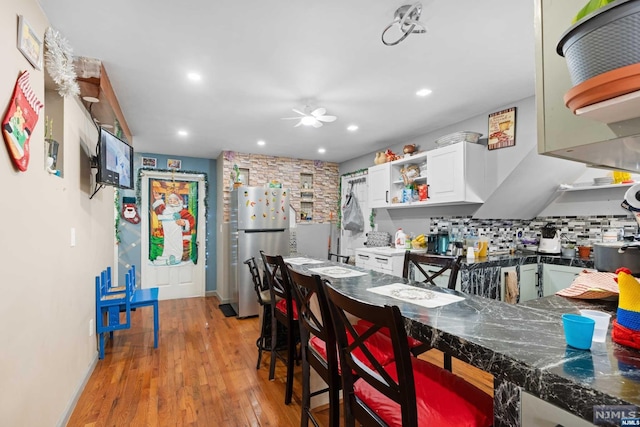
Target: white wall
47,285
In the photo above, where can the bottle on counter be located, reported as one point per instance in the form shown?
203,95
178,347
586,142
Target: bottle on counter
400,239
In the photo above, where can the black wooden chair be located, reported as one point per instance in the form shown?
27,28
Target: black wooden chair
264,299
431,267
318,345
283,311
339,258
373,391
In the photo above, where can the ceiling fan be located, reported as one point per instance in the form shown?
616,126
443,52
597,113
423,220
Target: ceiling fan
311,117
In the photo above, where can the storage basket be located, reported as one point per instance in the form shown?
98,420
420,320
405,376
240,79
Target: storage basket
453,138
602,41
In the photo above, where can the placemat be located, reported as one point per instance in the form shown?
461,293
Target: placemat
337,272
415,295
302,261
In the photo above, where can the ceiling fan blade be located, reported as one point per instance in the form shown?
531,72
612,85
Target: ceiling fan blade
327,119
299,112
318,112
317,124
290,118
298,124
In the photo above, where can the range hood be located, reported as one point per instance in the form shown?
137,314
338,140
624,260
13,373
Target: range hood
621,153
530,186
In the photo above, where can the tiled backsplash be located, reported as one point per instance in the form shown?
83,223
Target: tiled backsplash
503,233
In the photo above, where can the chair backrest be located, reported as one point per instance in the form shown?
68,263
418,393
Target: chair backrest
339,258
401,390
277,279
419,260
255,277
304,289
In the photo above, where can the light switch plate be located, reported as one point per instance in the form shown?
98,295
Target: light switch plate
73,236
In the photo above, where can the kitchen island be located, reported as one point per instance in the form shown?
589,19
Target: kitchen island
521,345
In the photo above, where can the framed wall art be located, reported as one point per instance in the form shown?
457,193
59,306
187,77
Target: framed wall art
502,129
174,164
29,43
149,162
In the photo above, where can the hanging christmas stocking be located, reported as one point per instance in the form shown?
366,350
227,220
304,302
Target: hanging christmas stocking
20,120
129,210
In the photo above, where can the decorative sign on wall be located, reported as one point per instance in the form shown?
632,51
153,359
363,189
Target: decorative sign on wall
173,222
502,129
20,121
149,162
29,43
174,164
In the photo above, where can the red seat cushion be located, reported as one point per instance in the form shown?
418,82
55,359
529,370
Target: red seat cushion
378,344
413,343
443,399
282,306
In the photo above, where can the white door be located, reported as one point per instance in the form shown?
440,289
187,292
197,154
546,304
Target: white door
349,240
173,237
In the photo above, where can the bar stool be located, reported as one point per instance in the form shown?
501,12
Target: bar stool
264,299
316,336
418,261
422,391
283,312
339,258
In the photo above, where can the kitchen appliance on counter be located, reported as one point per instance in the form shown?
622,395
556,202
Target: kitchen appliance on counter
550,240
259,220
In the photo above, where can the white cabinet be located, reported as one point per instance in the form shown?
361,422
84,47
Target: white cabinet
378,181
526,282
382,260
557,277
455,174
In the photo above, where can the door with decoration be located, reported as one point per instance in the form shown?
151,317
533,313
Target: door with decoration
173,233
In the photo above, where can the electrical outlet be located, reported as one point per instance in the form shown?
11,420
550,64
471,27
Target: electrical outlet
91,328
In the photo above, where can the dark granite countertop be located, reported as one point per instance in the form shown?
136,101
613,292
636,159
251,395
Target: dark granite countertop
526,257
522,345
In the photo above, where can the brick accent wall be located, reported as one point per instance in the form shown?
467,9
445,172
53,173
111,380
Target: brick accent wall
286,170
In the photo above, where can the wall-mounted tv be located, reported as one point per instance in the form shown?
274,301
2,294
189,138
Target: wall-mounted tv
115,161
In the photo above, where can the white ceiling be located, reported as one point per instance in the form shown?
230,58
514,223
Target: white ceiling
261,58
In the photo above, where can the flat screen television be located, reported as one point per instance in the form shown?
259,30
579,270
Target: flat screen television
115,161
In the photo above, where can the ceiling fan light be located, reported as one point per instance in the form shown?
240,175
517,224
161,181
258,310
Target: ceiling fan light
308,120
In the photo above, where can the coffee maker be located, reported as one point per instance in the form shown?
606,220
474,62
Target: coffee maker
550,240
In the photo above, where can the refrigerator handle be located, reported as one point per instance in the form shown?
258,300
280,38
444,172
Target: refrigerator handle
265,230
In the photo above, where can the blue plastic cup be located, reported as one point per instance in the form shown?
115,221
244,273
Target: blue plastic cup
578,330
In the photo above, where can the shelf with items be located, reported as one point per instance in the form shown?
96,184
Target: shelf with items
589,186
306,210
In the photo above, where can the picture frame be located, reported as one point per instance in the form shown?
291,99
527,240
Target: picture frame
174,164
29,44
502,129
149,162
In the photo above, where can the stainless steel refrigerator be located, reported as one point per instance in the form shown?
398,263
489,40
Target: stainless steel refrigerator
259,220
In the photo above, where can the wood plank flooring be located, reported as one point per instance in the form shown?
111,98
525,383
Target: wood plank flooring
203,373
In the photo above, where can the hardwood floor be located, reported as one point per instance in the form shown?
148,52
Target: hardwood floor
203,373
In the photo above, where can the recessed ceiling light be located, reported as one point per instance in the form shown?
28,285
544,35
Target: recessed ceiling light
194,77
183,133
321,150
261,142
423,92
352,128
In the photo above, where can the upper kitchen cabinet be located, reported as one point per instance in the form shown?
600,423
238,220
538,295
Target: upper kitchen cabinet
378,185
453,174
602,134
